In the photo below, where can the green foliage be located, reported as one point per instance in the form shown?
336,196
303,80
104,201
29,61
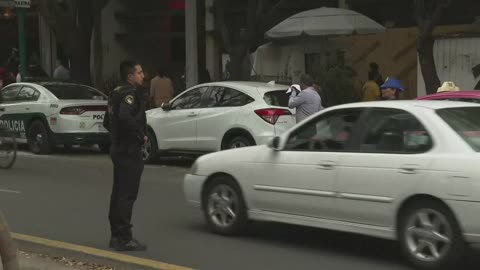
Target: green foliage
338,86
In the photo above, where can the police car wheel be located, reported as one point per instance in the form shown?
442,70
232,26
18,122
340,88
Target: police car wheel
104,148
68,147
38,138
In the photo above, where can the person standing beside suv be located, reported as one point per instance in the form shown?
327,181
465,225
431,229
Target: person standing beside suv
307,101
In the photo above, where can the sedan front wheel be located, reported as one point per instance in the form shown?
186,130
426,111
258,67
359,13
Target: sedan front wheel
224,207
430,236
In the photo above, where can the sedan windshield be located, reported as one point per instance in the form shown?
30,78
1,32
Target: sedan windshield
466,122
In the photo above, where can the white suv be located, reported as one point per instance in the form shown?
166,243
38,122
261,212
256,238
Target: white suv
216,116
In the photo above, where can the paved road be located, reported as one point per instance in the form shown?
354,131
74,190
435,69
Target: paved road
65,198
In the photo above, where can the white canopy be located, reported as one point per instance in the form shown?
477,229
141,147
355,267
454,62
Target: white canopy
325,22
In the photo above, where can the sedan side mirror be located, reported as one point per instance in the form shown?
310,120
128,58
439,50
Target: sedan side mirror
166,106
274,143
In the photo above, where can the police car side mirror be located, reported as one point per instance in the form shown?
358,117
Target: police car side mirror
166,106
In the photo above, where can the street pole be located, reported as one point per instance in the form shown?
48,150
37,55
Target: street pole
22,41
191,40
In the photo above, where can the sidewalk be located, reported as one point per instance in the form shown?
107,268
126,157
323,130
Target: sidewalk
41,262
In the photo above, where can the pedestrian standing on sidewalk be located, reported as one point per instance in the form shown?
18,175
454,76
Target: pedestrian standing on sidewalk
126,122
161,89
391,89
307,101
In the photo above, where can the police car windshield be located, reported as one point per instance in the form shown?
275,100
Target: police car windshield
74,91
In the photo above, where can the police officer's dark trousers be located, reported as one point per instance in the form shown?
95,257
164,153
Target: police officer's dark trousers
128,168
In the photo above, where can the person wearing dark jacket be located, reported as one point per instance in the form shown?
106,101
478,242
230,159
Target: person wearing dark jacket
126,122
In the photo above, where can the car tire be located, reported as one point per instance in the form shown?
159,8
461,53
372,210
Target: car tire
430,236
150,149
68,147
39,139
224,207
238,142
104,148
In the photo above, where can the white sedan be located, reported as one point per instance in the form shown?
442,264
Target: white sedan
46,114
217,116
404,170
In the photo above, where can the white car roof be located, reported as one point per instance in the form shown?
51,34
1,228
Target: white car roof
410,104
249,86
34,85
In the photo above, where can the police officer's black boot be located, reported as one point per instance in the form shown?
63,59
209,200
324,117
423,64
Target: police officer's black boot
130,245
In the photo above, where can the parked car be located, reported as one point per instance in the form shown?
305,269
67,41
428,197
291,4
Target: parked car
404,170
47,114
469,96
217,116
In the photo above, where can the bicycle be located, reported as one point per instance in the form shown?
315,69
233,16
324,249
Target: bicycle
8,148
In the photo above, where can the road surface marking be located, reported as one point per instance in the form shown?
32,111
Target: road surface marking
10,191
99,253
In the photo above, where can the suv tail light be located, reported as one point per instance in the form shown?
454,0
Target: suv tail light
271,115
78,110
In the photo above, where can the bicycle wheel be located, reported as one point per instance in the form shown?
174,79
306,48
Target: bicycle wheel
8,149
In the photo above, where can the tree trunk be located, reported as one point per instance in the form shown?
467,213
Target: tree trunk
81,60
8,250
427,63
98,51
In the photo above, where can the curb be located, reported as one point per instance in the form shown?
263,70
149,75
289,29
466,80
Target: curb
54,248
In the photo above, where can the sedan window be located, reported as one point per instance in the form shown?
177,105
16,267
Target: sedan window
466,122
394,131
74,91
330,132
28,94
9,93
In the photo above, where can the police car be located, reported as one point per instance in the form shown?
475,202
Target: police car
44,115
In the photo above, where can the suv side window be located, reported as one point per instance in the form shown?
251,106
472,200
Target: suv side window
190,100
9,93
226,97
27,94
331,132
394,131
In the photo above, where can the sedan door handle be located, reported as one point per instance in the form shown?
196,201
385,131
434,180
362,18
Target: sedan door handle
2,109
408,169
192,115
326,165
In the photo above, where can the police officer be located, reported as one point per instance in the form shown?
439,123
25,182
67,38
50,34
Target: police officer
126,122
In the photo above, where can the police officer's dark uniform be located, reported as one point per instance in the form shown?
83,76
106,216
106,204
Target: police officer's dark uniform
126,122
